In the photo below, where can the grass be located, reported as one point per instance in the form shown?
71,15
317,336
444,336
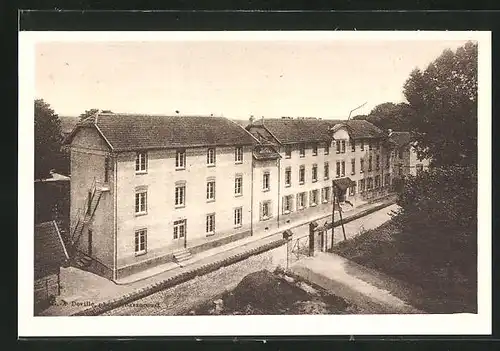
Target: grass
440,284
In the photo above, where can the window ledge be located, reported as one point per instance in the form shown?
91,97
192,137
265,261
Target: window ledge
314,180
265,218
238,195
210,234
266,190
238,162
211,200
326,178
288,185
211,165
325,201
313,205
180,206
180,168
139,214
105,187
141,172
140,253
301,183
237,226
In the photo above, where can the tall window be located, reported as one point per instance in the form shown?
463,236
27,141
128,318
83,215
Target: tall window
353,166
314,197
314,173
377,162
179,229
370,159
361,165
302,174
315,149
343,146
106,169
400,153
387,161
265,181
140,241
180,159
238,215
288,176
362,145
369,183
288,151
377,181
211,190
265,210
327,149
337,146
287,204
180,195
338,169
387,179
210,224
141,162
369,144
238,154
238,185
301,200
211,157
141,202
325,195
353,145
326,170
352,189
343,168
302,150
361,185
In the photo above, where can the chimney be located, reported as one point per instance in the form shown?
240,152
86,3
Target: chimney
390,132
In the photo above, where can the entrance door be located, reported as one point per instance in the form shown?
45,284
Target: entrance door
89,252
180,234
341,195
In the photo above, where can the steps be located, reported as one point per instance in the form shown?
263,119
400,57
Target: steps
82,261
182,255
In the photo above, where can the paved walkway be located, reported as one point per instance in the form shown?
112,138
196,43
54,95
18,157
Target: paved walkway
80,289
374,292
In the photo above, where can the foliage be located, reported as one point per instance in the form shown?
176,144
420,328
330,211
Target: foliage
444,100
88,113
47,139
389,116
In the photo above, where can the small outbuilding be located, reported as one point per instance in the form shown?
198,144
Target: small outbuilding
50,255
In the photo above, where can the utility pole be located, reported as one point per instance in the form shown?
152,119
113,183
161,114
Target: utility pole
349,117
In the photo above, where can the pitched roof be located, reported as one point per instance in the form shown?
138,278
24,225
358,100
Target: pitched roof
361,129
265,152
125,132
400,138
298,130
49,247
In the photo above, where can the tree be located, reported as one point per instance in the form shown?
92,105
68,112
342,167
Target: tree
444,101
88,113
47,139
389,115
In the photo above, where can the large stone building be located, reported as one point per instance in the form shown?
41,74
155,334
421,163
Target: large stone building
147,190
405,157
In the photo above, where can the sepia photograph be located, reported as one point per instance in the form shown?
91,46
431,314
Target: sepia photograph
306,175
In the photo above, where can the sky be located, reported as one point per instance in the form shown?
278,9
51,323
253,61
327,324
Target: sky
234,79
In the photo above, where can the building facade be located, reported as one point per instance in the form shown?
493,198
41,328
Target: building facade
147,190
405,159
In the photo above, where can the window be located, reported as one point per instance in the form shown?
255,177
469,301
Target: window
362,145
338,169
238,215
210,224
369,185
302,150
420,168
265,181
238,154
369,144
302,174
288,176
265,210
141,202
343,146
288,151
353,145
180,159
140,241
343,168
377,181
361,185
326,170
353,166
238,185
211,190
337,144
180,195
361,165
106,170
352,189
387,161
211,157
141,162
314,173
370,159
287,204
301,200
325,195
377,162
179,229
400,153
400,169
327,149
315,149
314,197
387,179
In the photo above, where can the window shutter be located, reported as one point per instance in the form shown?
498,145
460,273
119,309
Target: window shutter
283,199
